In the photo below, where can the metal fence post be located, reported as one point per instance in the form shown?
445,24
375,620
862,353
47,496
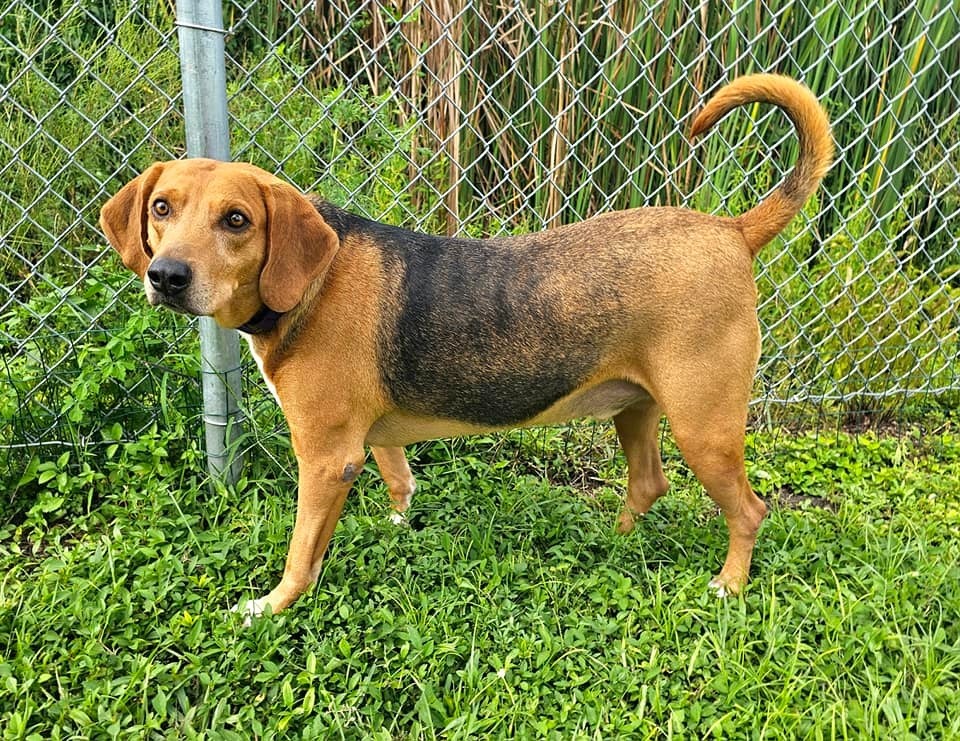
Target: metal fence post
200,31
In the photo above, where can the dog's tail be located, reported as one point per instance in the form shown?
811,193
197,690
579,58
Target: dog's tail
768,218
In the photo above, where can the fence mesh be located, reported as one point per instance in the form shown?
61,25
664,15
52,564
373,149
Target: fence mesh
486,118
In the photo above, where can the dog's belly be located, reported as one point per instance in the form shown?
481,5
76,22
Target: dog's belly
495,332
601,401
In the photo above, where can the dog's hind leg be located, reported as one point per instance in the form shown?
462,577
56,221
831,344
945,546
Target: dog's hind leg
709,422
637,428
705,394
396,474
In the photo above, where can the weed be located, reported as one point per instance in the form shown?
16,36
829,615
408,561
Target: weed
509,609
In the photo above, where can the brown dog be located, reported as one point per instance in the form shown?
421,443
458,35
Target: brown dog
372,335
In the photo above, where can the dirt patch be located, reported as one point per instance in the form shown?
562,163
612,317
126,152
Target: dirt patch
787,498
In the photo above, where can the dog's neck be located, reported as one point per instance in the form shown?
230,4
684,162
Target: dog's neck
263,321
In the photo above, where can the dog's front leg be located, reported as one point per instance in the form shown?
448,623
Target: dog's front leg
324,482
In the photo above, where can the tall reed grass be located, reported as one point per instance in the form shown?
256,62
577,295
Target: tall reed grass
550,111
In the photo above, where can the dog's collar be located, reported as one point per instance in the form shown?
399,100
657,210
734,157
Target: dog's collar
263,321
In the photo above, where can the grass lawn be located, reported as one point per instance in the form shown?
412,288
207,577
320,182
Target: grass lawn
508,608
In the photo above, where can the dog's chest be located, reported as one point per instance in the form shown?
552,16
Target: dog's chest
260,366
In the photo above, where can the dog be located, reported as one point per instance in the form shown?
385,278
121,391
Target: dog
372,335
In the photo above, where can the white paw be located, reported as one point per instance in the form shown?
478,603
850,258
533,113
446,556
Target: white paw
719,588
252,608
399,518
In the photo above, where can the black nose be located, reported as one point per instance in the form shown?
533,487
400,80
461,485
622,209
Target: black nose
169,277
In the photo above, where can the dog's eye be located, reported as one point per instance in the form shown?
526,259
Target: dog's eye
161,209
236,220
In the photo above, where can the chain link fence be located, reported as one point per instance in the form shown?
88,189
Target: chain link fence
485,118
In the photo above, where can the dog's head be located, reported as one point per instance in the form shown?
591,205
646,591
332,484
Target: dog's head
218,239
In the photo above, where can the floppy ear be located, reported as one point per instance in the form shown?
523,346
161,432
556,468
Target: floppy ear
124,220
300,246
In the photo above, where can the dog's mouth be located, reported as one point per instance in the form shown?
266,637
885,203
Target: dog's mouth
175,307
176,304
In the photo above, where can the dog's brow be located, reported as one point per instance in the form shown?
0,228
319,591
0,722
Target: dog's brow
234,202
164,193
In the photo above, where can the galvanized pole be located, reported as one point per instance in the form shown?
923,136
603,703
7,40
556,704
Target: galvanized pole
200,30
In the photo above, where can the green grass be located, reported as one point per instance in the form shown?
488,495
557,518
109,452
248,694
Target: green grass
509,607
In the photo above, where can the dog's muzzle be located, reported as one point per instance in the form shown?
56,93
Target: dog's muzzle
169,280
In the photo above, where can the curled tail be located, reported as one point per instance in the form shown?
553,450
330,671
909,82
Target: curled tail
768,218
